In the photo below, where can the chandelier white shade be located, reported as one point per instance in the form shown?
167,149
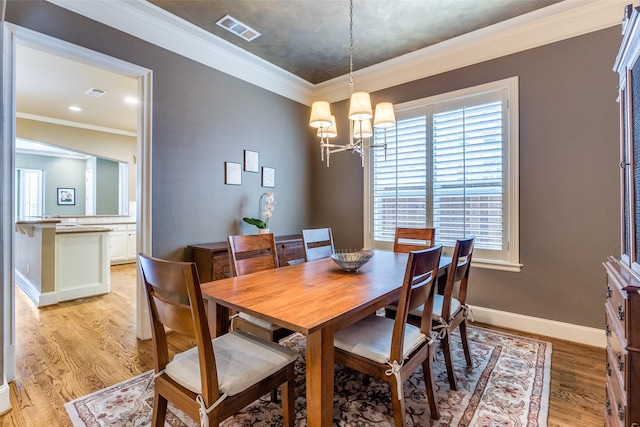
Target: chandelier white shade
320,115
385,116
331,131
360,106
362,129
360,115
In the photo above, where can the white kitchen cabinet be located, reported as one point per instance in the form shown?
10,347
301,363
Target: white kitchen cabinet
122,243
131,243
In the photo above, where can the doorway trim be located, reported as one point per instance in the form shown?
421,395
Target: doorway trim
14,35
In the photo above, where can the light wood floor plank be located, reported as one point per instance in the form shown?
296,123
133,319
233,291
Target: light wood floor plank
78,347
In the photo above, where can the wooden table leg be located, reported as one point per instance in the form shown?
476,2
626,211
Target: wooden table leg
320,378
218,317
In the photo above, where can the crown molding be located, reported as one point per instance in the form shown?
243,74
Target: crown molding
563,20
52,120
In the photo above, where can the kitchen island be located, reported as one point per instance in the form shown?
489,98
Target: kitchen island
58,262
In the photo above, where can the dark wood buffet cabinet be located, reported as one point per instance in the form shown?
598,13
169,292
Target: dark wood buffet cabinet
212,259
622,306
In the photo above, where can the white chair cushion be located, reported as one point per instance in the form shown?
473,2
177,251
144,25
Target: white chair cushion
371,338
257,321
242,360
437,307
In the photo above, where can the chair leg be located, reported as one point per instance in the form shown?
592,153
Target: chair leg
397,400
448,361
159,410
274,392
288,399
465,341
427,370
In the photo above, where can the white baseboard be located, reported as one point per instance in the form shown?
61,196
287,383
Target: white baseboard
38,298
535,325
5,401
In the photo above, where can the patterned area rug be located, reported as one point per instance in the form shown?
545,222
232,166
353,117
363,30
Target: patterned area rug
508,385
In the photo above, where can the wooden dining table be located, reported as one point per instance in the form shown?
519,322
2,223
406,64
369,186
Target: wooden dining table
314,298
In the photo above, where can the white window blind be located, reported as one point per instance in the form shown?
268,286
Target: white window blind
468,174
451,164
400,181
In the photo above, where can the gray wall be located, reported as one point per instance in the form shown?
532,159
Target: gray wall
201,118
569,190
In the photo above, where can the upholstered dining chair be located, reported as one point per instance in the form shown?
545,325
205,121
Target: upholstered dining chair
450,309
413,239
216,378
317,243
391,349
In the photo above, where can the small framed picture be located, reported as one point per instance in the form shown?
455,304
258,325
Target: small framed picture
66,196
268,177
251,161
232,173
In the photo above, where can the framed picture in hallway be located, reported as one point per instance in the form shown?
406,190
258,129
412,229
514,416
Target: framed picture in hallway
66,196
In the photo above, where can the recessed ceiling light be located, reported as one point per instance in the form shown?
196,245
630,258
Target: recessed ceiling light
131,100
238,28
74,108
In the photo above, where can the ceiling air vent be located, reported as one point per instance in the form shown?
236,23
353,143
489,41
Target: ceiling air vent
238,28
95,92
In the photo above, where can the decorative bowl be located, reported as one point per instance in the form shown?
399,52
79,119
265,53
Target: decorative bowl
352,261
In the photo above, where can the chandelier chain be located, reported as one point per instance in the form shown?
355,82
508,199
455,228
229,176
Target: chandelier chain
351,45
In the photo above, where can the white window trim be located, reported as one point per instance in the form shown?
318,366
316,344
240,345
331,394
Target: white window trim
512,229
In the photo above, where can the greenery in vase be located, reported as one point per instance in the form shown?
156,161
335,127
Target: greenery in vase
266,214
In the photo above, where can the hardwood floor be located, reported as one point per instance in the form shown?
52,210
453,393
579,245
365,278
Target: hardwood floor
77,347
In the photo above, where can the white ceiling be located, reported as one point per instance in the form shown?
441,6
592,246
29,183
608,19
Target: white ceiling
47,84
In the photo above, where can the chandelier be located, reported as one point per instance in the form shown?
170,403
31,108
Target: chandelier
360,115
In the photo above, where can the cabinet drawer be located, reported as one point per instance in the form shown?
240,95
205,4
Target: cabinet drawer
221,266
610,418
617,301
615,407
617,363
289,252
118,227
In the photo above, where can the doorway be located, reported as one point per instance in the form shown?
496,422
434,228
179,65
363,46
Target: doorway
14,38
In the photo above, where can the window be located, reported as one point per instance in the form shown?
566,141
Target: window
451,163
29,199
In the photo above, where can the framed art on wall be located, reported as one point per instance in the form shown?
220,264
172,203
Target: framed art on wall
232,173
66,196
251,161
268,177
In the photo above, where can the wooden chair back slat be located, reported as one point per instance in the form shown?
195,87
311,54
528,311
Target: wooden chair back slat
318,243
413,239
252,253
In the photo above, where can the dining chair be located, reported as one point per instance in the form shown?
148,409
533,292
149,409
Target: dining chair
317,243
413,239
216,378
392,349
450,309
250,254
